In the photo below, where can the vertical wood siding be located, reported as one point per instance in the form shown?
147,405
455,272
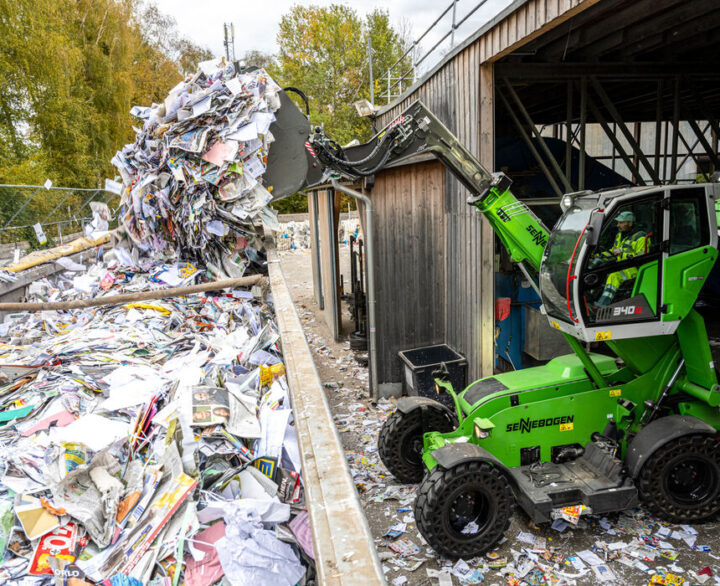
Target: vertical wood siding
408,208
440,288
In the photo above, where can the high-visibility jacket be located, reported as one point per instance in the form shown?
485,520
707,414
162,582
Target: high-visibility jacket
630,245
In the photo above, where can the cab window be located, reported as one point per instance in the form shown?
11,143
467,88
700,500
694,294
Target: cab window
621,273
688,220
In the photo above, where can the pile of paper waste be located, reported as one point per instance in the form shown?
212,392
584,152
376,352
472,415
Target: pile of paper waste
293,235
152,442
192,180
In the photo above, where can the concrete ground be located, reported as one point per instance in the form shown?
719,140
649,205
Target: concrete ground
548,556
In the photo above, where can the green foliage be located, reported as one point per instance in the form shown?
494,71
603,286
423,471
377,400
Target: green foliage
324,52
70,71
295,204
255,58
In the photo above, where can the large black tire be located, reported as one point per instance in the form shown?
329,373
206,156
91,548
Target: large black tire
449,500
681,481
400,441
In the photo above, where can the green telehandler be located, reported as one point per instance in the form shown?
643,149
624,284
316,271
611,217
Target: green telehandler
637,423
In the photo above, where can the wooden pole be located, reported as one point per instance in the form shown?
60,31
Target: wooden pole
132,297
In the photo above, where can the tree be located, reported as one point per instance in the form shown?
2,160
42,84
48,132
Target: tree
255,58
70,71
323,52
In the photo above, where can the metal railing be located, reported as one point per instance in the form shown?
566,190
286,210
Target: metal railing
395,79
22,207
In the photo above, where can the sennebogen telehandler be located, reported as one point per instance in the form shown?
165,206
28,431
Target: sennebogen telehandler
634,424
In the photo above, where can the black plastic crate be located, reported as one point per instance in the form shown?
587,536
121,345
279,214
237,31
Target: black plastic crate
419,365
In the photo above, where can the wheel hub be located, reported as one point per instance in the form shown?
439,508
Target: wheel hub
468,513
412,447
684,474
691,481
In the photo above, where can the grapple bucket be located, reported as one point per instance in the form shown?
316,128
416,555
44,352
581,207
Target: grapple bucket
291,164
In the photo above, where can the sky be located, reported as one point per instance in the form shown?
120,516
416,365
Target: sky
256,22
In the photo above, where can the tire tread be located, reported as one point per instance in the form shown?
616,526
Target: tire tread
391,431
429,499
650,488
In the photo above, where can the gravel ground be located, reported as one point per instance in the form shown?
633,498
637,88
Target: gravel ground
631,542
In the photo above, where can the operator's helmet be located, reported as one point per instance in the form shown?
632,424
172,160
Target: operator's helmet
626,216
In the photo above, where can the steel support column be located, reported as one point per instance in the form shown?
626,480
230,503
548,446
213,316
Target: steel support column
583,122
676,129
568,131
658,125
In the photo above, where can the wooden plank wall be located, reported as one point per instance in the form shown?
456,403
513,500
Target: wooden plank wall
460,93
465,257
409,205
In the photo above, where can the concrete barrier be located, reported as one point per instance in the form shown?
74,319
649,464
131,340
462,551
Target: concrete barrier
345,553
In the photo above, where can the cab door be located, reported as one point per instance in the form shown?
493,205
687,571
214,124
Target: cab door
622,275
690,254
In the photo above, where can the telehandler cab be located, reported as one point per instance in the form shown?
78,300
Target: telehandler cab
608,431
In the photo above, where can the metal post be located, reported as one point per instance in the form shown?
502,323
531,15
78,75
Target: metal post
665,150
658,128
568,143
372,81
583,121
317,275
676,129
636,136
452,36
370,296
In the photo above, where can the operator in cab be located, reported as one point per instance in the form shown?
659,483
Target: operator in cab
630,241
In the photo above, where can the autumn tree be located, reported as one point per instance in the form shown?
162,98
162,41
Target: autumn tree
255,58
70,70
324,52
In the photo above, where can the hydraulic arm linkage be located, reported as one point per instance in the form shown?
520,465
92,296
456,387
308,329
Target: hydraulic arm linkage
417,130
